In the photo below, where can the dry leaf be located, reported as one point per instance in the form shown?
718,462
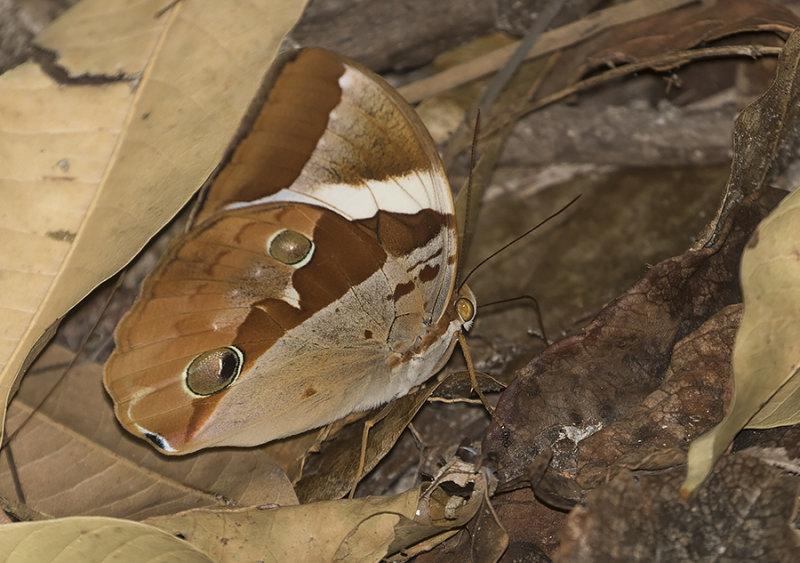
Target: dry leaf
365,529
776,446
92,539
332,472
94,171
767,357
582,383
550,41
693,25
341,530
764,136
691,400
743,513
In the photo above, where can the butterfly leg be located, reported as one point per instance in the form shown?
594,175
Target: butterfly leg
474,379
362,458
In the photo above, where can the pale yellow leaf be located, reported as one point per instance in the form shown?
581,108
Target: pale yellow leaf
90,172
365,529
92,540
766,355
337,530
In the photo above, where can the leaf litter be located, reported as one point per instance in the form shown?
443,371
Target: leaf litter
655,357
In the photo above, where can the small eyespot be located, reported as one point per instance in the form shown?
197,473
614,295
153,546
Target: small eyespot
290,248
157,440
465,309
213,371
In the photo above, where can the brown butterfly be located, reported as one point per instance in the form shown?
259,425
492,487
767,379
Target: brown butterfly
319,279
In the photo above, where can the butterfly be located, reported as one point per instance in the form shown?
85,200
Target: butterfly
318,280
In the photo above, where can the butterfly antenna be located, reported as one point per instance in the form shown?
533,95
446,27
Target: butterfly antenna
465,236
519,238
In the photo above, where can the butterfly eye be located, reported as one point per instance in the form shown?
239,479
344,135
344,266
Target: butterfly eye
465,309
213,371
291,248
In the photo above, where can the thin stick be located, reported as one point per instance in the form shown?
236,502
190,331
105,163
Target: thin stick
466,227
501,79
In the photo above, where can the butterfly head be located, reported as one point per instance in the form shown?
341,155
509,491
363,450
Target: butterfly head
465,307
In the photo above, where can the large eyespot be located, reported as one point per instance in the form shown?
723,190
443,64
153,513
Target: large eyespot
290,248
213,371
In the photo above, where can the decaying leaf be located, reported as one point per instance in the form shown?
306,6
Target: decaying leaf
743,513
582,383
690,400
551,41
764,136
94,170
779,447
365,529
93,540
696,24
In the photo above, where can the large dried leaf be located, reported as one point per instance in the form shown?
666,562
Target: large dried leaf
354,530
365,529
93,539
91,172
580,384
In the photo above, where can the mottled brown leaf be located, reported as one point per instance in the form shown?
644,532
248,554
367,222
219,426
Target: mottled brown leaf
697,386
742,513
765,137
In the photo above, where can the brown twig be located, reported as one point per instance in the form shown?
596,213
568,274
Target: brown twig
554,40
